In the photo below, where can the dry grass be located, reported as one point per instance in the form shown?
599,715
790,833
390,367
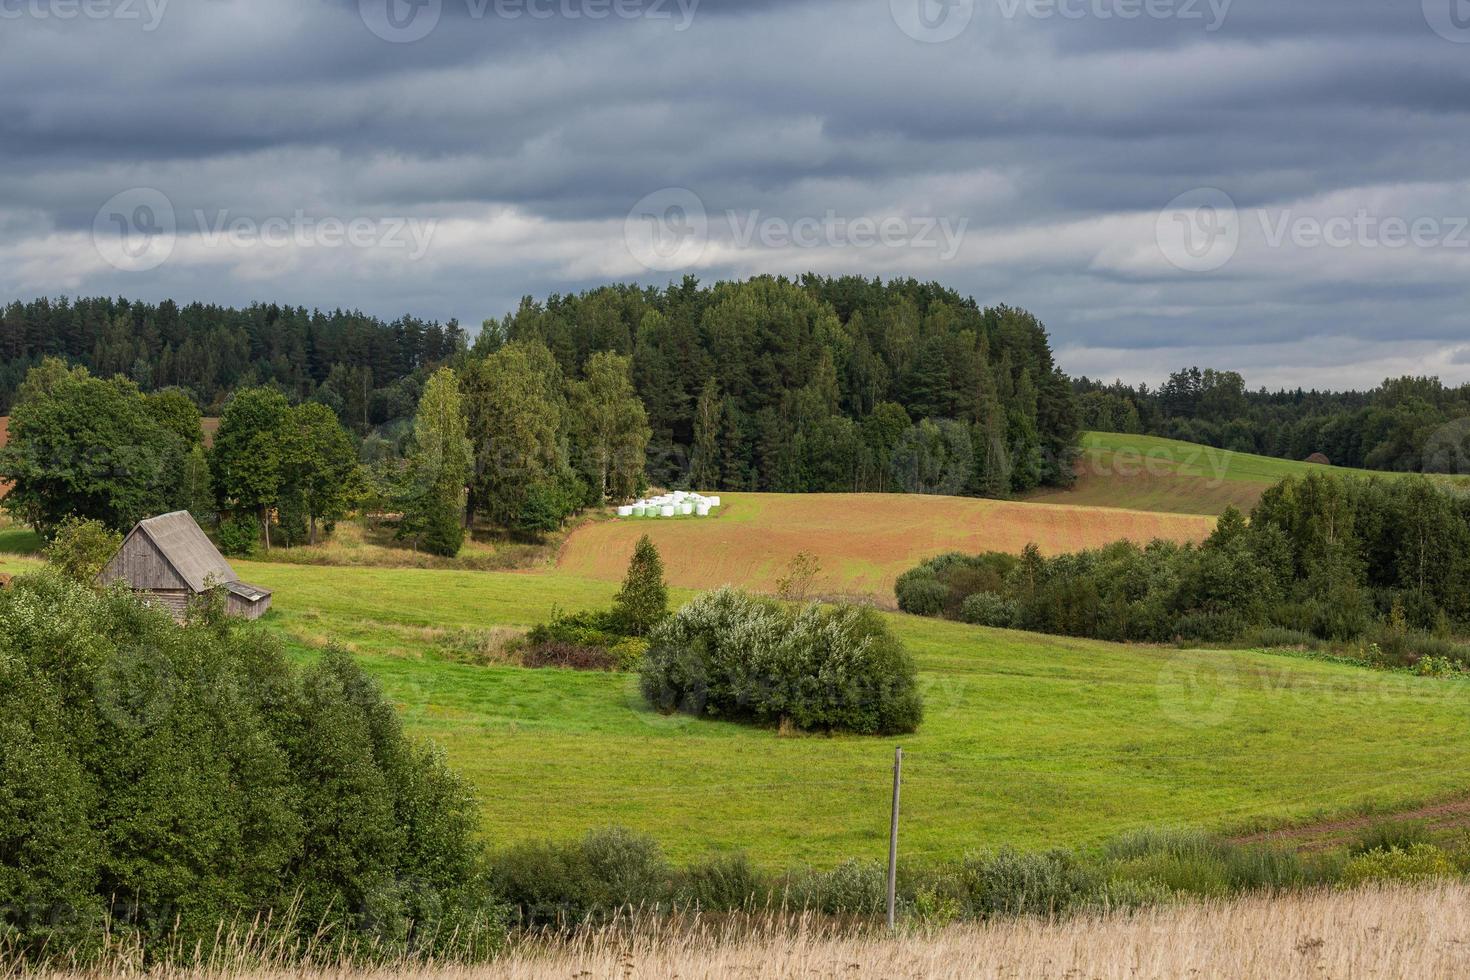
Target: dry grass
1406,932
369,543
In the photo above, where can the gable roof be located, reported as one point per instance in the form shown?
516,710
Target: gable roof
185,547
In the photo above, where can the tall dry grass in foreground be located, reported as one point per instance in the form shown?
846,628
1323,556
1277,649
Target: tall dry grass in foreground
1419,932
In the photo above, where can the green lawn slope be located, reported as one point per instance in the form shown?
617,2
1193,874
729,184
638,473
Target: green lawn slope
1154,474
1029,740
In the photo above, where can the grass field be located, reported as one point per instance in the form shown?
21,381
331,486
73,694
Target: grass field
1028,740
1154,474
863,541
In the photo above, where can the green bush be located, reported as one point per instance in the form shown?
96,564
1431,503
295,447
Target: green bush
573,883
921,593
989,609
725,883
1011,883
239,536
1390,835
852,888
1418,862
80,549
729,655
166,778
583,641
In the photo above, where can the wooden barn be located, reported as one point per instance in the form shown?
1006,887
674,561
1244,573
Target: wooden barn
169,560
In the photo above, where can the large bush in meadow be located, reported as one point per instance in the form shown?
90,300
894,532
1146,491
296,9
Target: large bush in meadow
163,779
730,655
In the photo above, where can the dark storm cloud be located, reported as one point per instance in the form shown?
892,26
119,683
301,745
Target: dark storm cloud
1055,130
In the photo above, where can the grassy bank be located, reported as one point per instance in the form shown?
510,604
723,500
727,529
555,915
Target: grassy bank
1028,740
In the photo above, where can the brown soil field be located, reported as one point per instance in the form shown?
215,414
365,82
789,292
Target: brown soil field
862,541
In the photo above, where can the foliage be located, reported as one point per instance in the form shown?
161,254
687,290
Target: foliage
238,536
730,655
1335,558
356,364
80,446
1406,424
801,573
1417,862
823,384
584,641
567,884
269,455
608,427
439,467
643,601
80,549
158,780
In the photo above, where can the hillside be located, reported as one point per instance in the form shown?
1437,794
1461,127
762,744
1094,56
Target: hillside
1031,740
863,541
1155,474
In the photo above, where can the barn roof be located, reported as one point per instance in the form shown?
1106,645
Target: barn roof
184,545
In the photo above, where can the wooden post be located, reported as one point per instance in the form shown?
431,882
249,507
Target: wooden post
893,842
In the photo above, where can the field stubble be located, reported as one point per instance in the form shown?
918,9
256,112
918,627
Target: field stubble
1395,932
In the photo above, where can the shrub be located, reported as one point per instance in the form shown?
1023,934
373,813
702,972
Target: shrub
569,656
921,593
1390,835
725,883
851,888
1010,883
989,609
729,655
239,536
81,548
1418,862
572,883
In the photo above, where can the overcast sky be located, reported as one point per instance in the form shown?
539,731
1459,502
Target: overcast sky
1275,187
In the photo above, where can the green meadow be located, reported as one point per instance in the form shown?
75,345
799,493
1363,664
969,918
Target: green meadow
1028,740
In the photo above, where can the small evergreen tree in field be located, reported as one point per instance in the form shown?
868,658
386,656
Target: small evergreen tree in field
644,600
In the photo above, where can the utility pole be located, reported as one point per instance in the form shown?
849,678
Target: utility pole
893,841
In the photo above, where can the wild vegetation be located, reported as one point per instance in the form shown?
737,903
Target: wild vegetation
1323,557
731,655
1406,424
157,781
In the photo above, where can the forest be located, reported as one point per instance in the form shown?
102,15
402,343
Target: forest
1412,425
1322,557
771,384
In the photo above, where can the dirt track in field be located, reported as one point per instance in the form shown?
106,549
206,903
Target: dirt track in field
863,541
1323,835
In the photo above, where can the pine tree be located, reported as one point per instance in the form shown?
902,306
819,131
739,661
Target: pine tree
644,599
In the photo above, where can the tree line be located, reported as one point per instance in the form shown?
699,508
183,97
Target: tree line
359,366
814,385
1406,424
1322,557
823,384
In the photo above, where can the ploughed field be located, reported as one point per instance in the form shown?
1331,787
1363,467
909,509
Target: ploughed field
1028,740
862,541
